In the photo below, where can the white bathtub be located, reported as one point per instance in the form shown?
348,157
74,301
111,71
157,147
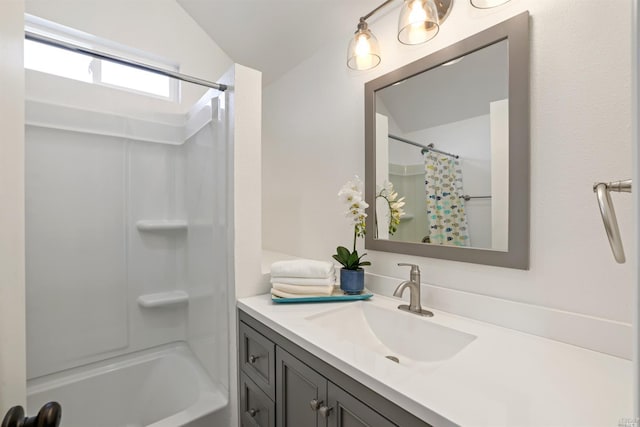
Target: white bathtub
163,387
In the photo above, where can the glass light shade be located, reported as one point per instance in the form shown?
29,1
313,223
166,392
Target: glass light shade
487,4
363,52
418,21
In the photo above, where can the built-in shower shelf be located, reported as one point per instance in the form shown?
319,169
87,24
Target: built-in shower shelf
406,217
163,299
161,224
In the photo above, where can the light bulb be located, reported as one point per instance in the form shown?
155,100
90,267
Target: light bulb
418,21
418,15
364,59
362,45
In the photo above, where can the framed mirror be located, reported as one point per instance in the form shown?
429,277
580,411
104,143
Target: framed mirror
450,134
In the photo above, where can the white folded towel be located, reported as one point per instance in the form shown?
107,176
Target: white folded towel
283,294
306,268
304,281
304,290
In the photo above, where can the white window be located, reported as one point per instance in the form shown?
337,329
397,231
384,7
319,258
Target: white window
73,65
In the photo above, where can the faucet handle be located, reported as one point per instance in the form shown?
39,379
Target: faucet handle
404,264
414,273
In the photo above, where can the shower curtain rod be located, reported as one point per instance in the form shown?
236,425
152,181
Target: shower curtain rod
30,35
467,197
429,147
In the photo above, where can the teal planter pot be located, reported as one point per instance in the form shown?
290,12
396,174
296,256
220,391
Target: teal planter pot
352,281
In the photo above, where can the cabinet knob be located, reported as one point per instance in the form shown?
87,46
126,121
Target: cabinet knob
315,404
253,359
253,412
325,411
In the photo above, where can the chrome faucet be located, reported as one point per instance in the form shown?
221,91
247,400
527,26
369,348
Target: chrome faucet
414,292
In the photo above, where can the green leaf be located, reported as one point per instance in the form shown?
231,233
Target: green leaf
343,253
337,258
353,260
363,263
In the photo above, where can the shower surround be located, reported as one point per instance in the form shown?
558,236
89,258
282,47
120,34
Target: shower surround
127,261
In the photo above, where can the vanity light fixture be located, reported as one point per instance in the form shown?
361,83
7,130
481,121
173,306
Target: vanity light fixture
419,22
364,51
487,4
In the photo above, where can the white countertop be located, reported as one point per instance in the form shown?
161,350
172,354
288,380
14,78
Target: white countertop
502,378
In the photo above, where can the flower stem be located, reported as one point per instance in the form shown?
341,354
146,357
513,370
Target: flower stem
355,235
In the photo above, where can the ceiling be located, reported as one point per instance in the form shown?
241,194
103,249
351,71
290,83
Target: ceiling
274,36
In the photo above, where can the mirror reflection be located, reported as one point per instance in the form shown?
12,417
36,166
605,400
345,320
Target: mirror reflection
442,143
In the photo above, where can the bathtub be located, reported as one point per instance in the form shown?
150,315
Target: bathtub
161,387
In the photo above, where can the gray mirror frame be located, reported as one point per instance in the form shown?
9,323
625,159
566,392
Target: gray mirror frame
516,31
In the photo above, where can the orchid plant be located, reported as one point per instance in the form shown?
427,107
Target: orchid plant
396,212
351,194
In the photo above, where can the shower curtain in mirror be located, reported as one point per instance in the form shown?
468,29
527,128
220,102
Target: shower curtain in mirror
445,206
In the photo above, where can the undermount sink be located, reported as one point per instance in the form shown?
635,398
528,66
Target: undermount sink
392,333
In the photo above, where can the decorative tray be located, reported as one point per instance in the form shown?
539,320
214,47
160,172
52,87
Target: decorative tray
338,295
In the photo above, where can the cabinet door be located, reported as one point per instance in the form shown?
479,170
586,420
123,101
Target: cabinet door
300,393
347,411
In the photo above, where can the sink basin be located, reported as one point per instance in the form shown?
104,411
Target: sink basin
392,333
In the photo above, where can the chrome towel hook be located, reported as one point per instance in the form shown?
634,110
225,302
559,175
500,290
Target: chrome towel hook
602,190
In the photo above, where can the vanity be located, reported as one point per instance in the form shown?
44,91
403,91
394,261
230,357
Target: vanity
283,384
326,365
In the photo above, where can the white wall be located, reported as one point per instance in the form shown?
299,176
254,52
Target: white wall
247,167
244,202
12,277
580,132
635,88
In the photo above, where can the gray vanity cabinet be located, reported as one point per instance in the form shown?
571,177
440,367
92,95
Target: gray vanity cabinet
283,385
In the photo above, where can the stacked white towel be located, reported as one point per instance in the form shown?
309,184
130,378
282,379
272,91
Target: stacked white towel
302,278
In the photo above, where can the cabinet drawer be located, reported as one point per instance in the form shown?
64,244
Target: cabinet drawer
257,359
256,409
